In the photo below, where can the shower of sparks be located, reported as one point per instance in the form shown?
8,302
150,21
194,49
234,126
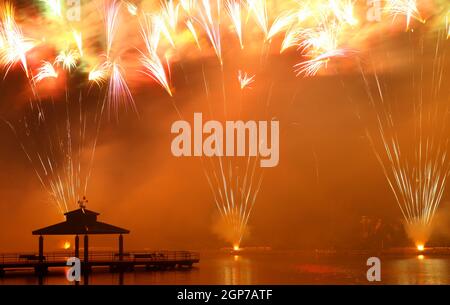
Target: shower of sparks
191,28
47,70
258,8
344,11
407,8
14,45
312,66
118,92
169,12
447,24
68,59
280,24
320,45
245,80
132,8
150,60
211,28
78,41
328,23
112,8
235,186
60,146
159,22
417,179
189,6
53,7
291,39
234,11
99,74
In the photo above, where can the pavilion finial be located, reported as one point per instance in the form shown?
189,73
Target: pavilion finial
82,202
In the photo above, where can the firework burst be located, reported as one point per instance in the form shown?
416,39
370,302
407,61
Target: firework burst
99,74
407,8
258,9
118,94
150,60
14,45
245,80
233,8
47,70
68,59
211,27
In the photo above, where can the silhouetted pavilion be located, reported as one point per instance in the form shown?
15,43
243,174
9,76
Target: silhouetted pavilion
80,222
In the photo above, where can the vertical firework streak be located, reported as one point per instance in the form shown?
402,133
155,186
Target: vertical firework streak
154,68
118,93
417,172
59,141
235,183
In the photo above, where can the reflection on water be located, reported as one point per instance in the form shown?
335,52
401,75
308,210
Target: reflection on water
419,270
272,268
237,271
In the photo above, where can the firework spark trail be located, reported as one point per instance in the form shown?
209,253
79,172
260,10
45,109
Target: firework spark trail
132,8
14,46
211,27
417,180
118,92
320,44
245,80
281,23
112,8
408,8
53,7
189,6
258,9
78,37
68,59
45,71
169,12
150,60
235,183
55,146
291,39
312,66
99,74
234,193
191,28
343,10
447,24
233,8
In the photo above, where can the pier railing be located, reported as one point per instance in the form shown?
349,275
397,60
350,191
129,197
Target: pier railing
98,256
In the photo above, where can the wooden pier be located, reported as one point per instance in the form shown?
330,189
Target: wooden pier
128,261
83,222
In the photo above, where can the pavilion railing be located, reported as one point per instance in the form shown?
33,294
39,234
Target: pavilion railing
135,256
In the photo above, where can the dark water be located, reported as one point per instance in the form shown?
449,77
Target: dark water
272,268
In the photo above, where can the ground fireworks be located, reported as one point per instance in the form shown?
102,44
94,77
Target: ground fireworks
415,163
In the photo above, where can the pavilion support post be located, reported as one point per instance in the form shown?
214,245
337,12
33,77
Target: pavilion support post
120,247
41,248
77,246
86,253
